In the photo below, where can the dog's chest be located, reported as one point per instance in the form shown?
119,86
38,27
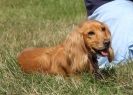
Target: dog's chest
80,63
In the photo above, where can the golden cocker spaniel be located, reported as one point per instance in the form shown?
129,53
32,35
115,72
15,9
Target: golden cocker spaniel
75,55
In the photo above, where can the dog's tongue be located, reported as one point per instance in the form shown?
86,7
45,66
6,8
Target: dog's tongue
104,53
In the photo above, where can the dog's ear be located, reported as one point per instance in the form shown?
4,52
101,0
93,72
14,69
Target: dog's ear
82,26
74,39
110,54
74,42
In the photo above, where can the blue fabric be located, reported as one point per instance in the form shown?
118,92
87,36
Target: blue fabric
118,15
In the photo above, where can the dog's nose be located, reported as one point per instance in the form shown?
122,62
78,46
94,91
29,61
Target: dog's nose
106,43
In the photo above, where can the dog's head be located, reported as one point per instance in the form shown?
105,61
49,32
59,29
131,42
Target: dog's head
97,38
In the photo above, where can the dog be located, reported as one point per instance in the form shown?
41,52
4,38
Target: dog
77,54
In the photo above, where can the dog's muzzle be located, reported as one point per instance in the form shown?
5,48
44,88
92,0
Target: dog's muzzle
103,51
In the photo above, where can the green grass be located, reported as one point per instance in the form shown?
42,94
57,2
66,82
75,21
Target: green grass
45,23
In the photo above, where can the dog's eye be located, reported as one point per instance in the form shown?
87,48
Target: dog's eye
103,28
91,33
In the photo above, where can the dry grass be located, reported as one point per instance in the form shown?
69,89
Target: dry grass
44,23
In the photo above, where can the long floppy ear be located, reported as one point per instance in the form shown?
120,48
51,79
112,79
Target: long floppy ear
74,42
110,54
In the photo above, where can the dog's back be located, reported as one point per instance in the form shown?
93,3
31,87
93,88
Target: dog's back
33,59
44,60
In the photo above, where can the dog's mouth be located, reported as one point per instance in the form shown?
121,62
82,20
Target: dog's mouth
102,52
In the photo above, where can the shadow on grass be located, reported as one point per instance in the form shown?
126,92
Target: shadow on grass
108,72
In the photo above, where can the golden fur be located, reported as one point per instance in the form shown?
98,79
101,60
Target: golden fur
76,54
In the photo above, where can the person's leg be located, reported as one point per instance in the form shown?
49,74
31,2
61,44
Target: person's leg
118,15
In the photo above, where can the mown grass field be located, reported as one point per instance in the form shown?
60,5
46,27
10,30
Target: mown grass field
45,23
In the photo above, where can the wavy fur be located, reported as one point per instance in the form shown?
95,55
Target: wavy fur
73,56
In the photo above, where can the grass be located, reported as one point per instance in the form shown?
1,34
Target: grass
45,23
